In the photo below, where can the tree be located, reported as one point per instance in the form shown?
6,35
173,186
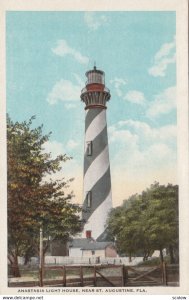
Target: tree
126,225
32,200
147,222
161,217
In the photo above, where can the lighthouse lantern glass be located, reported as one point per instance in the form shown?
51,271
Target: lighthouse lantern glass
95,77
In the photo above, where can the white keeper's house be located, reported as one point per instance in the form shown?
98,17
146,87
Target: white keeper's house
88,247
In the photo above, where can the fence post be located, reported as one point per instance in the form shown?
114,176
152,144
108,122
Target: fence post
64,275
164,273
126,276
41,258
94,275
123,275
81,275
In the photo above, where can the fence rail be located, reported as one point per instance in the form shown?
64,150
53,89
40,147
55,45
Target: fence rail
103,275
68,260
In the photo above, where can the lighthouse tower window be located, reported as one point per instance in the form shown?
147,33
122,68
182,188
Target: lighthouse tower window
89,199
89,148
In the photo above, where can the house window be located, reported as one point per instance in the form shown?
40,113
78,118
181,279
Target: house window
89,148
93,252
89,199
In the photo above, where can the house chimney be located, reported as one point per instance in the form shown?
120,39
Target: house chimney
88,234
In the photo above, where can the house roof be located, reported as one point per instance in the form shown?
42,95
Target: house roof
96,245
88,244
80,242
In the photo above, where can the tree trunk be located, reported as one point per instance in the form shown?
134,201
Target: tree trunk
130,258
30,251
146,255
15,271
171,252
27,257
161,255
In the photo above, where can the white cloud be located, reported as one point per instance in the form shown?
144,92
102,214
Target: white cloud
70,168
147,134
165,50
69,106
163,103
79,80
62,49
94,20
118,84
160,67
72,144
140,155
54,147
121,135
138,148
64,90
136,97
165,56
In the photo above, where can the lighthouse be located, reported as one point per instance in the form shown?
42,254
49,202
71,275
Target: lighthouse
97,181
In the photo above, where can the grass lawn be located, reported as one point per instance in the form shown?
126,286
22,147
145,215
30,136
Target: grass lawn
33,272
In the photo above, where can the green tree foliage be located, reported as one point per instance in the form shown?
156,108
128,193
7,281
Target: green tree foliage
147,222
32,200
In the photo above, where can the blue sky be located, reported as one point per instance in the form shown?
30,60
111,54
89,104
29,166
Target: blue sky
48,54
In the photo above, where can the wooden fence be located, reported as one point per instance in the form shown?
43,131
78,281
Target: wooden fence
105,276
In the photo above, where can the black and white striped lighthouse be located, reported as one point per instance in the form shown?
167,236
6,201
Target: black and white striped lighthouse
97,181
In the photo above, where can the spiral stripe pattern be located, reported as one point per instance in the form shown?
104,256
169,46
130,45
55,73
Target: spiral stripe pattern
97,179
